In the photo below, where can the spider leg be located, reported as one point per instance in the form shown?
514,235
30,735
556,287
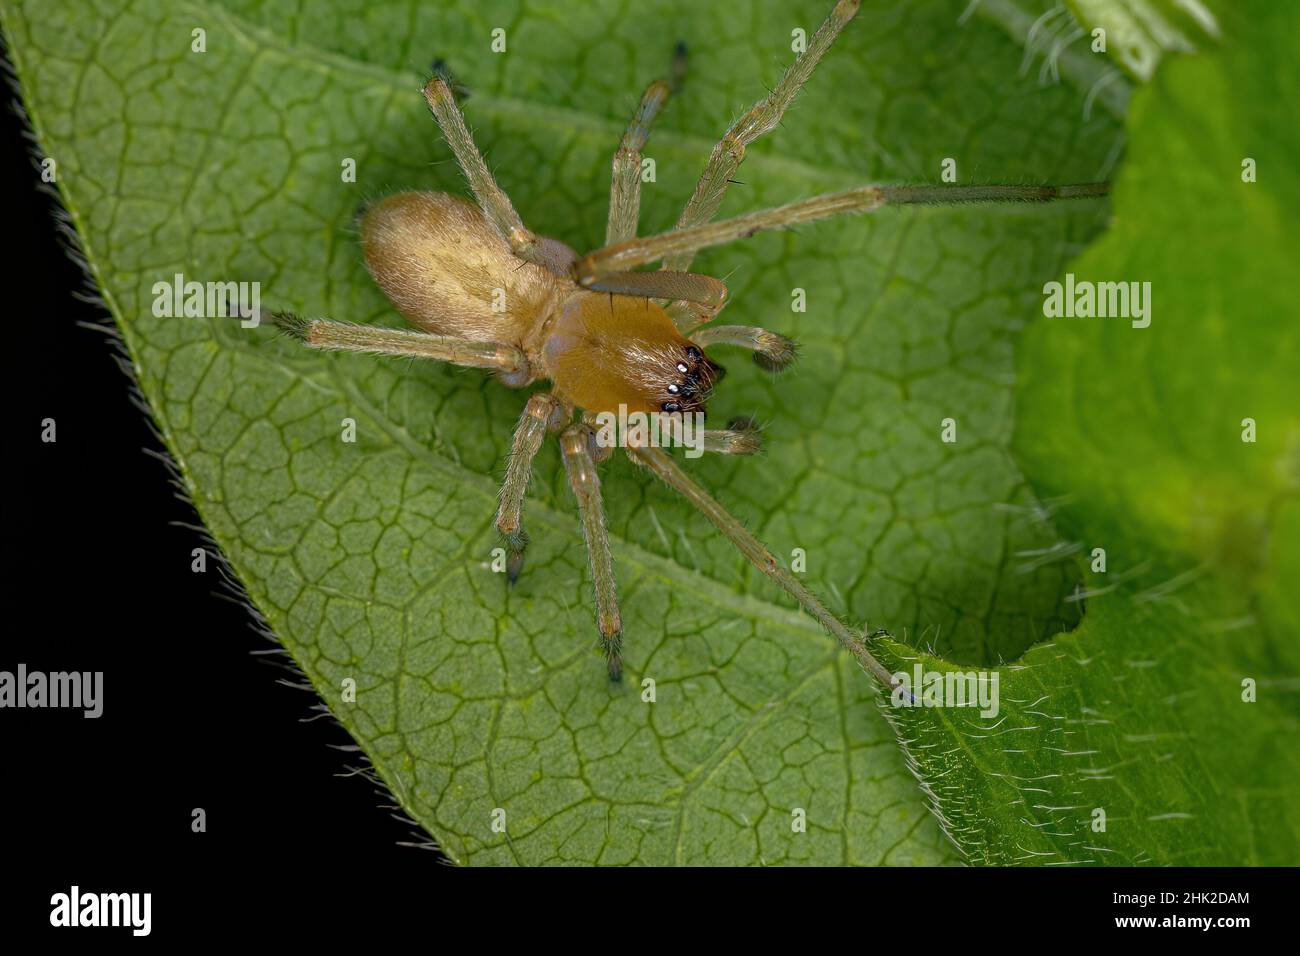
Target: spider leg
712,186
575,444
709,293
492,199
623,256
537,419
687,315
661,464
506,360
772,352
734,440
761,118
625,178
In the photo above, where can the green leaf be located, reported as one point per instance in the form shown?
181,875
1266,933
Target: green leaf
371,560
1058,47
1137,433
1141,33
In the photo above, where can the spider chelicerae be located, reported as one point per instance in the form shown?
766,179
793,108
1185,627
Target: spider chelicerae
489,293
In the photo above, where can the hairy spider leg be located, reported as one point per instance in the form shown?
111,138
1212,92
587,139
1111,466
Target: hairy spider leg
708,294
575,445
729,153
625,176
761,118
506,360
539,417
631,253
492,199
541,250
735,440
740,437
772,352
662,465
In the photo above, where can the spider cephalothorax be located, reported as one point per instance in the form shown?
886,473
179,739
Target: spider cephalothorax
609,351
489,293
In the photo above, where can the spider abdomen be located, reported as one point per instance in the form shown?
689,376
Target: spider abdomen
447,271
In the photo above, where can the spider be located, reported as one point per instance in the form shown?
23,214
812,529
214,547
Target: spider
489,293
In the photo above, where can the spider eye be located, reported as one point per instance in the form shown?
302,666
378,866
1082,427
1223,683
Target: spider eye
673,389
672,406
681,367
693,353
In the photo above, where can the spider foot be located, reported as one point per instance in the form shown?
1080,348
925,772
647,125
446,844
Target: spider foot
458,89
516,542
611,642
774,353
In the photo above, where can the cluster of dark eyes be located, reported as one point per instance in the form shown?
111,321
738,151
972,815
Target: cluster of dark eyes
689,385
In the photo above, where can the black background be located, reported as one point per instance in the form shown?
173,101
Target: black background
97,554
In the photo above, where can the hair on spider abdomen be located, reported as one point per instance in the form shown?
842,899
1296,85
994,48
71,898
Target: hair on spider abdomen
487,292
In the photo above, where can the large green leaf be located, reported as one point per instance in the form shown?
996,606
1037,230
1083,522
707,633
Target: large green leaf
371,560
1142,712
